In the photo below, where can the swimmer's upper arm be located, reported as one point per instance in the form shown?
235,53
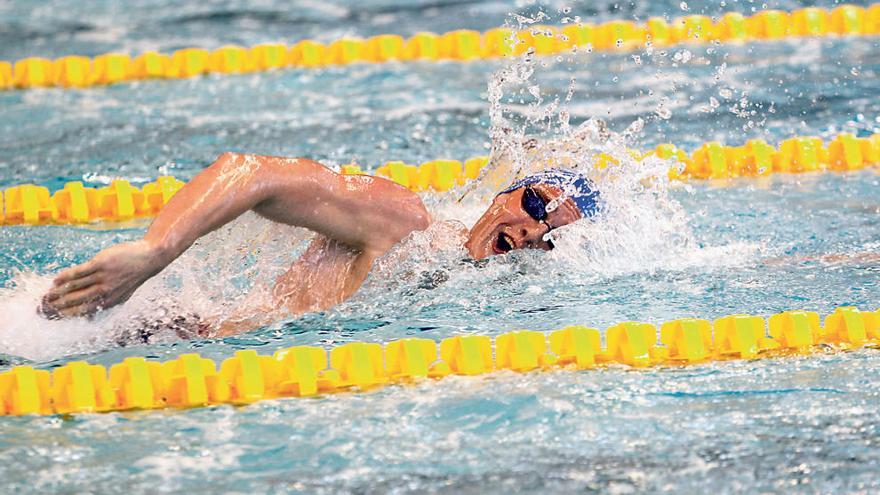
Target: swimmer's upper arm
365,212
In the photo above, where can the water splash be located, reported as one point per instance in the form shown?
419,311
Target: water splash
222,273
642,229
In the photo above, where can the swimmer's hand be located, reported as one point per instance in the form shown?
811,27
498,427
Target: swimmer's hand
108,279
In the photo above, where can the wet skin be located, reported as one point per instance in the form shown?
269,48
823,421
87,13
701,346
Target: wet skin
505,226
357,219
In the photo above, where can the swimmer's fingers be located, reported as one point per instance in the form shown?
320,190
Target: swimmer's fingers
85,309
76,272
60,290
72,304
50,312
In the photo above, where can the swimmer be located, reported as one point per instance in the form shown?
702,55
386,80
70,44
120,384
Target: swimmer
357,219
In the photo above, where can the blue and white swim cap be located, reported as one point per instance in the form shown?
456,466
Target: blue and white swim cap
574,186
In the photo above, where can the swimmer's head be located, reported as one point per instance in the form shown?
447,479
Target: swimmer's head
518,217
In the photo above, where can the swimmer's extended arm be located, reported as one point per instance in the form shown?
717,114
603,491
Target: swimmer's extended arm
366,213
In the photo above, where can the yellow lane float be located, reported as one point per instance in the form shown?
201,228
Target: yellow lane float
460,45
301,371
31,204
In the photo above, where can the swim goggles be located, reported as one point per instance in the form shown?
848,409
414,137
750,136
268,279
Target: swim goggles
536,207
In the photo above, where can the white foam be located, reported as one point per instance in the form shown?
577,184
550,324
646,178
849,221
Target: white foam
211,280
27,334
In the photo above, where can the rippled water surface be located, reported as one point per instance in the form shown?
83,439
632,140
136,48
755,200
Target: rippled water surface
805,424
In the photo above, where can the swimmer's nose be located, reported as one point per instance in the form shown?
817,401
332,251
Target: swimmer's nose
531,233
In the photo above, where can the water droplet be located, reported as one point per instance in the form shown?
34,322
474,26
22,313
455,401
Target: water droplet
854,71
684,6
725,93
713,102
663,112
682,56
636,127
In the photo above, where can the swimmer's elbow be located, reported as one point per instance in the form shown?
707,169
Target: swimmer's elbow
255,168
417,220
229,162
229,158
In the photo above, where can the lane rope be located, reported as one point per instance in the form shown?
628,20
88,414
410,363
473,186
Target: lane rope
461,45
120,201
302,371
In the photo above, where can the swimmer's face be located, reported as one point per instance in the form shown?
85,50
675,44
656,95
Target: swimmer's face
506,225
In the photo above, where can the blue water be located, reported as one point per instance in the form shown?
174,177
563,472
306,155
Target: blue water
788,242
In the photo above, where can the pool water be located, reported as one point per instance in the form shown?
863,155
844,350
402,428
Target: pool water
806,424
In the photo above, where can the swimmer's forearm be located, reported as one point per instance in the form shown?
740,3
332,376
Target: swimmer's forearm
229,187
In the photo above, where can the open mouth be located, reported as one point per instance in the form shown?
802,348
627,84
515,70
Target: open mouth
503,244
